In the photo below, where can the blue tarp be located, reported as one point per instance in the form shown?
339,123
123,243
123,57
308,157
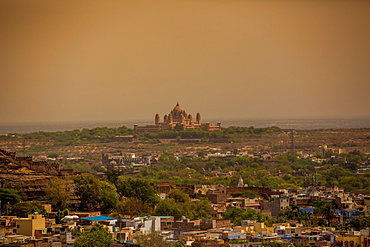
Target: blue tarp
98,218
348,214
308,209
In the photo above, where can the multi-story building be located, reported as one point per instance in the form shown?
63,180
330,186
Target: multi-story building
28,226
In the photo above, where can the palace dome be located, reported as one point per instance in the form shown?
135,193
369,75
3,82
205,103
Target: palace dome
177,109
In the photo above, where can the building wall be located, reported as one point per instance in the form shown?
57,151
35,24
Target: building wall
276,205
27,226
355,239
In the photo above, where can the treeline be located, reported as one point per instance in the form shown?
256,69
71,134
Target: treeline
105,134
228,132
99,134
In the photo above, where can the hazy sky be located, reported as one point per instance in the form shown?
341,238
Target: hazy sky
127,60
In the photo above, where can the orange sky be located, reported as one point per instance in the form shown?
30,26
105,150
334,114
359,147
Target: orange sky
127,60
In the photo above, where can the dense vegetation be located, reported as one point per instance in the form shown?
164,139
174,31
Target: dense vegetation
99,134
105,134
230,132
289,171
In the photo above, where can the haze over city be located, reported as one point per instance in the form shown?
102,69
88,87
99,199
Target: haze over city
228,59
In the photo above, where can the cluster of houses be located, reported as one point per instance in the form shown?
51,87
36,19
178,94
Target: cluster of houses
36,230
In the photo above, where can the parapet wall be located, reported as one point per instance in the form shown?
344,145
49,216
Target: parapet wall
40,166
43,166
24,159
6,153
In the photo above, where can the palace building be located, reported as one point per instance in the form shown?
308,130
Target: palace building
177,118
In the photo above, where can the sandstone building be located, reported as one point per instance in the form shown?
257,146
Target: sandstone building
177,118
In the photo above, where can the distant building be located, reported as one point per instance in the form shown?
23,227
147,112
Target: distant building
123,160
177,118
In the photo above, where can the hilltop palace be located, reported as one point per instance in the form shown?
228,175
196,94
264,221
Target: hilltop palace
176,117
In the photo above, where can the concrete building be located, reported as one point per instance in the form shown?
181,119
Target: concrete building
28,226
147,224
276,204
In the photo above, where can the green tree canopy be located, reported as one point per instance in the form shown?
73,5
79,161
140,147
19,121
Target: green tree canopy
95,194
324,208
138,188
201,209
23,209
294,213
133,207
108,197
59,191
88,190
236,215
113,176
10,196
179,196
168,207
358,223
97,237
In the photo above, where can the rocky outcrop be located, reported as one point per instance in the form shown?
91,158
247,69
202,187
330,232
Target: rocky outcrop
29,177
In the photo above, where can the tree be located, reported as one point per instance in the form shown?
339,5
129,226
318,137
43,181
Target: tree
236,215
153,239
179,196
324,208
59,191
10,196
108,197
269,243
88,189
95,193
338,172
166,156
133,207
97,237
294,213
201,209
168,207
194,210
358,223
53,155
351,182
61,214
113,175
138,188
23,209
